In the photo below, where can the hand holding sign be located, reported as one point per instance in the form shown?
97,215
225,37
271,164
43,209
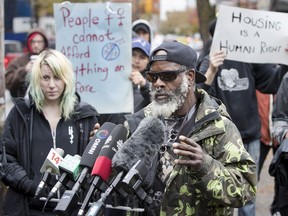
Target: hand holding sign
216,59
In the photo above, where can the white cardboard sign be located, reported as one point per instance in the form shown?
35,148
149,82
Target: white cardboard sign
251,36
96,37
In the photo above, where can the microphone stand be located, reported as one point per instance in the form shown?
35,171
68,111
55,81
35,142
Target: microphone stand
116,188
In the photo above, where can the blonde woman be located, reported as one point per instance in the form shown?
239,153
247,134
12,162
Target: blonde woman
52,117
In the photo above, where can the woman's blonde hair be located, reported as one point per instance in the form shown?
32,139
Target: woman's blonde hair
62,68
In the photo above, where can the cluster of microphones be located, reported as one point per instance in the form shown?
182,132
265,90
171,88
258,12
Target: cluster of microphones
111,169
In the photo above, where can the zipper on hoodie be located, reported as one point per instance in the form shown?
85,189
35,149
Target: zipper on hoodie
54,139
81,138
54,146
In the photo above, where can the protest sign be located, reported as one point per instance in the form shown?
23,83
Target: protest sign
251,36
96,37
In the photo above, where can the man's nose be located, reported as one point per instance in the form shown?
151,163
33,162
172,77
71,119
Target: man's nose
158,83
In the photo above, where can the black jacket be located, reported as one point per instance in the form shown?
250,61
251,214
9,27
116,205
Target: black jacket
235,85
278,168
16,138
280,111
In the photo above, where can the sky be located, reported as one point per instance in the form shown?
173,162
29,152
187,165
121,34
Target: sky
173,5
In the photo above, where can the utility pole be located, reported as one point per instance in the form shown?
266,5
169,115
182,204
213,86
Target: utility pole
2,93
2,76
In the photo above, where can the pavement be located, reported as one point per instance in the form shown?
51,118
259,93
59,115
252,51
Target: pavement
265,191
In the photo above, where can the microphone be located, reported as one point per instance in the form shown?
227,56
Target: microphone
138,157
69,199
143,145
50,166
70,169
103,165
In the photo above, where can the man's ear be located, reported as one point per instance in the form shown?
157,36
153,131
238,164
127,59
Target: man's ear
191,76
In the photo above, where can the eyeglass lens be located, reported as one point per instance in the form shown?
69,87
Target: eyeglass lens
167,76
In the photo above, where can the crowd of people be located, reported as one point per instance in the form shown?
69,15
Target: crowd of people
214,146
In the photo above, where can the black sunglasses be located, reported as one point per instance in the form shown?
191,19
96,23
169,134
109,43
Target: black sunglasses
166,76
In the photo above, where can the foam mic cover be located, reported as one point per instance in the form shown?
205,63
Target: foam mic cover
70,169
143,144
103,164
52,161
95,145
71,166
50,166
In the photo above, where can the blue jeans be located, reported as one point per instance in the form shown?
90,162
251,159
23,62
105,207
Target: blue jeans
253,148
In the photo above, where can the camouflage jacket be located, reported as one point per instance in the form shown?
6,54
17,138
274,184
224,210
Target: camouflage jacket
227,178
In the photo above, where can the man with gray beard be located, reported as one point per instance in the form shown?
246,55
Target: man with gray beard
203,167
176,99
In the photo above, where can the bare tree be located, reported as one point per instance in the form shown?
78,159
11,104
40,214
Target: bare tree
206,13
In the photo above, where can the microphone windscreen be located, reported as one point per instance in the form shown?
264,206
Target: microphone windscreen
143,144
71,166
95,144
103,164
52,161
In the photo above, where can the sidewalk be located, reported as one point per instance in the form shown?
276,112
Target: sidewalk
265,192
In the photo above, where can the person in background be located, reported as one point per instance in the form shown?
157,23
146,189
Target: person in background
207,44
280,112
18,68
143,29
134,35
204,157
267,141
52,117
280,132
265,108
2,102
140,59
235,84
